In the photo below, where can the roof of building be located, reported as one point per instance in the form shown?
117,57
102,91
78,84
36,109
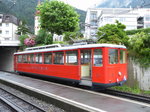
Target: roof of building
7,18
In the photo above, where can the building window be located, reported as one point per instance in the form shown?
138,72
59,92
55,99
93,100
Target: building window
98,57
59,58
7,17
7,38
93,23
0,24
147,25
7,32
72,57
147,18
122,56
47,58
93,15
0,31
113,56
94,32
121,19
7,24
108,19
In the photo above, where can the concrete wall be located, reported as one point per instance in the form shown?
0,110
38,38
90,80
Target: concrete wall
138,76
6,58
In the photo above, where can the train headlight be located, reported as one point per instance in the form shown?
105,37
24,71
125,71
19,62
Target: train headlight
124,78
119,73
117,80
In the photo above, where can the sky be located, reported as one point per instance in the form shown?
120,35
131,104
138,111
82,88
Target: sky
83,4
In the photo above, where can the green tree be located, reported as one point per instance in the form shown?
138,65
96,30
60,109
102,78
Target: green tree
140,48
47,37
23,29
113,33
58,17
22,38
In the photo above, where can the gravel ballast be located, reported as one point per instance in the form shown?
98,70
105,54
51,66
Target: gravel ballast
42,104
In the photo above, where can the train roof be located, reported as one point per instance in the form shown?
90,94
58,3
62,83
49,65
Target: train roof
72,47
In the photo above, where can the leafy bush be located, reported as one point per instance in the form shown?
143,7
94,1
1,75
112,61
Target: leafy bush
140,48
132,32
113,33
22,38
44,37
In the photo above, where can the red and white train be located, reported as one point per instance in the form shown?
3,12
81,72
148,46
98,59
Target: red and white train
95,65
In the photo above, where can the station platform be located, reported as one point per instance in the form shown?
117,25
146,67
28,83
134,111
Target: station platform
97,101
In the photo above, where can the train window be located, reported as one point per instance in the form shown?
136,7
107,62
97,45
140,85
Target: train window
113,56
25,58
98,57
19,58
38,58
31,58
59,58
28,59
47,58
85,56
72,57
122,56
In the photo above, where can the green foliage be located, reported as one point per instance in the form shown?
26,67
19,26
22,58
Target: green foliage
134,90
68,36
23,29
126,88
146,92
43,37
132,32
113,33
140,48
22,38
60,42
58,17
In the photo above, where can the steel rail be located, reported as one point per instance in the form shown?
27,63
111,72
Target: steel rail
137,97
16,103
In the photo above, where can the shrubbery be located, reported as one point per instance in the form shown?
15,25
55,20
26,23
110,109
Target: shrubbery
140,48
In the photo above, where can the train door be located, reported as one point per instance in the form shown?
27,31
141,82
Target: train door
86,65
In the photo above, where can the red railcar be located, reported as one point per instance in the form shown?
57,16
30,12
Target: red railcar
96,65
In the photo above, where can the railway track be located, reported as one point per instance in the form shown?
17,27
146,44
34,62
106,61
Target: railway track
5,107
136,97
13,103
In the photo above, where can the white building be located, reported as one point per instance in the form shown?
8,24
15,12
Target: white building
133,19
8,28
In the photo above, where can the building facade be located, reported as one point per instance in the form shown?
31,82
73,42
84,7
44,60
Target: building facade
133,19
8,28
